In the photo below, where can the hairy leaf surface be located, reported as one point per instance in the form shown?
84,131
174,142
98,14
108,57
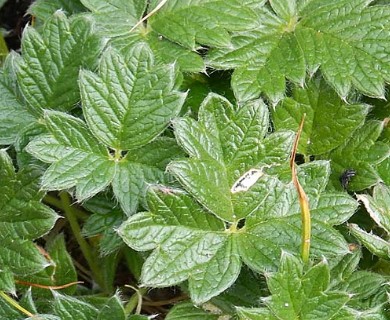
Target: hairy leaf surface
49,67
345,39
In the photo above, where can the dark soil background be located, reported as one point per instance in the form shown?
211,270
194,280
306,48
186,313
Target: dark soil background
13,18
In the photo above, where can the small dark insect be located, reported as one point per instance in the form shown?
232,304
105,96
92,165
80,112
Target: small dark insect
346,177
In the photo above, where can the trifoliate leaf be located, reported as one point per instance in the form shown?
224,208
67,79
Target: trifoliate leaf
48,71
329,120
228,151
130,102
299,295
69,308
378,206
345,39
360,153
372,242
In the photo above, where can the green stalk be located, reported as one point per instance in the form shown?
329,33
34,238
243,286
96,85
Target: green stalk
57,203
135,301
303,200
84,246
15,304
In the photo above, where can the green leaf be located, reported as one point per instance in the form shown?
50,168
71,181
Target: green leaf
262,242
378,206
134,8
361,152
7,281
254,314
44,317
79,159
364,284
63,271
344,267
298,295
243,292
329,120
103,223
217,162
218,274
130,102
206,21
22,215
12,112
43,9
140,167
48,71
343,38
372,242
22,257
186,241
190,312
113,309
9,312
69,308
384,171
115,21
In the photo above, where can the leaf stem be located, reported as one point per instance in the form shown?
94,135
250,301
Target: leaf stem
84,246
135,301
15,304
57,203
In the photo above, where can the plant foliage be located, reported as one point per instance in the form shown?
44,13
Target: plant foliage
147,145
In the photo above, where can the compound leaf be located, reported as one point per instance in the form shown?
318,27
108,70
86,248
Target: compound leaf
125,108
343,38
217,162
